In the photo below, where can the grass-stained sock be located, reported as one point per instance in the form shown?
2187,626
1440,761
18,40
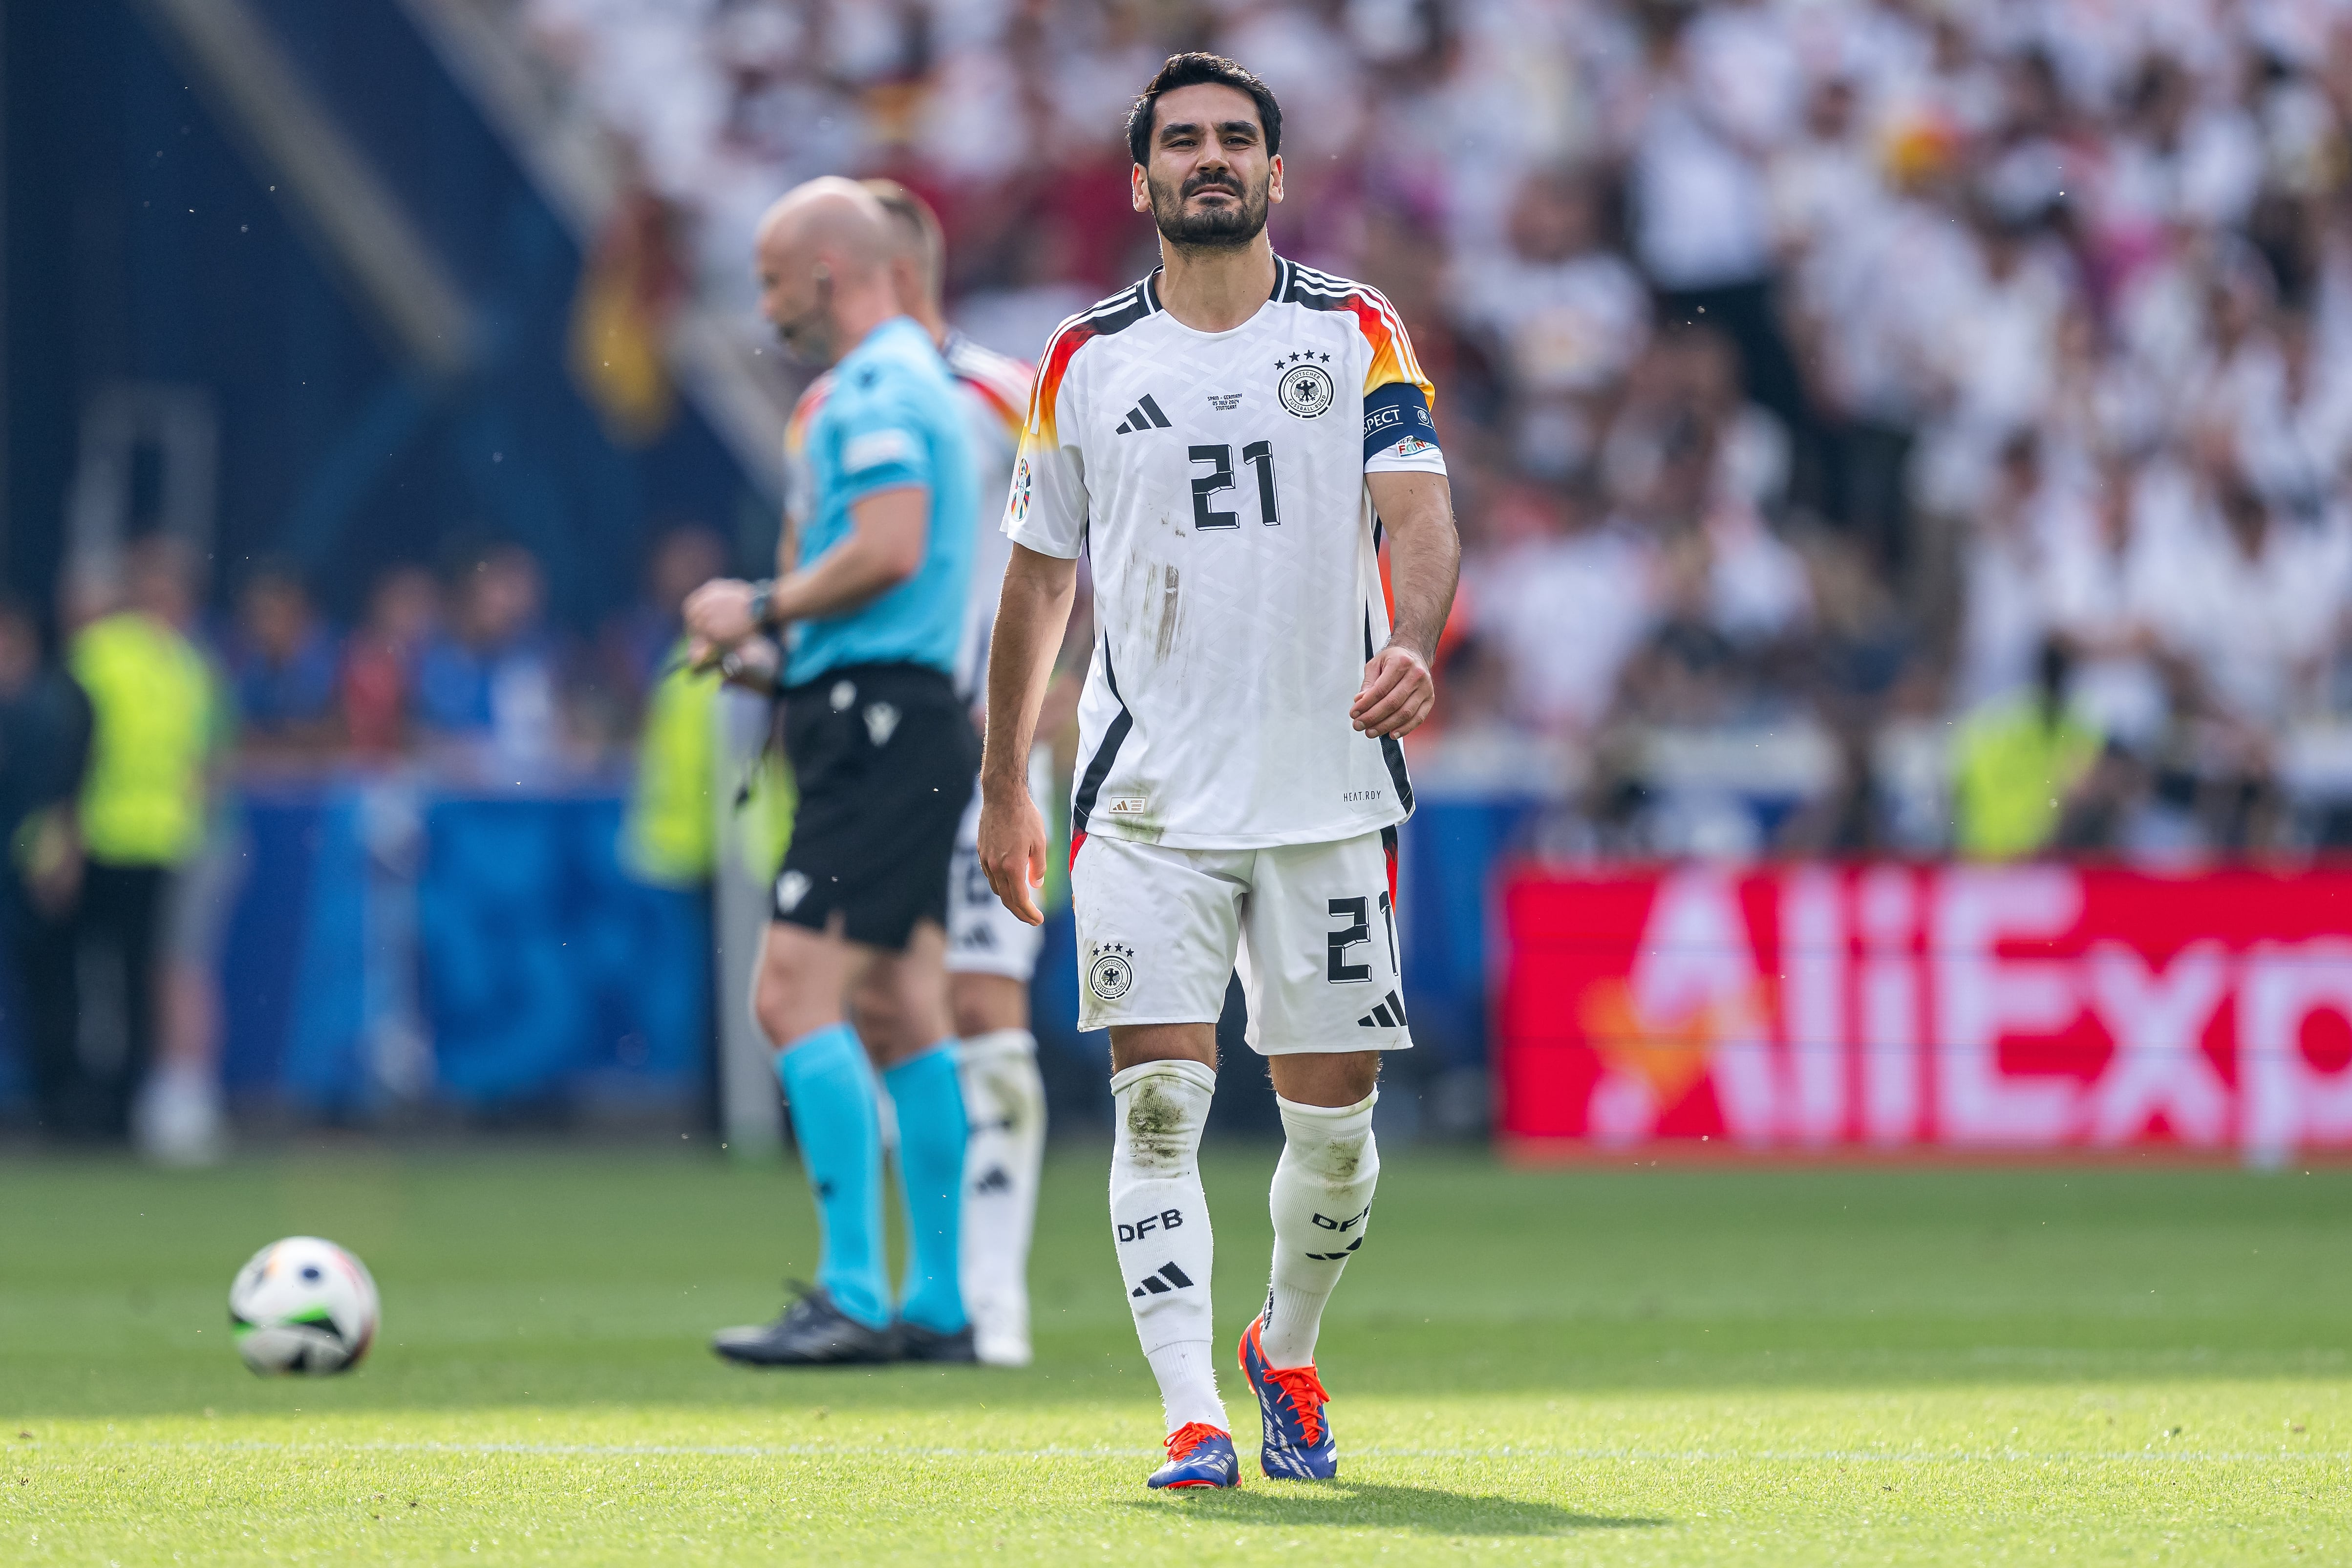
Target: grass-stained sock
1321,1201
1159,1218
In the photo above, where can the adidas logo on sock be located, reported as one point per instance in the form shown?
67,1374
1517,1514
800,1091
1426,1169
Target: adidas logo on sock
1388,1014
994,1180
1335,1257
1170,1277
1144,415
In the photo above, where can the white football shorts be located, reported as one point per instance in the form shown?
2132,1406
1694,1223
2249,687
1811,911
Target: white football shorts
1311,928
984,936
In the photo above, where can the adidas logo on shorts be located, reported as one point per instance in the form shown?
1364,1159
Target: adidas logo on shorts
1388,1014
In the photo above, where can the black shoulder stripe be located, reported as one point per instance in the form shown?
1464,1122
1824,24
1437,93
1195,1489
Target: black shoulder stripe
1121,311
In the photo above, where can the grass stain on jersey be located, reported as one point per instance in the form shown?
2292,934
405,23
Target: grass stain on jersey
1171,608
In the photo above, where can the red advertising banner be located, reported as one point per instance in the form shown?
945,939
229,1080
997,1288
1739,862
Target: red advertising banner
1950,1007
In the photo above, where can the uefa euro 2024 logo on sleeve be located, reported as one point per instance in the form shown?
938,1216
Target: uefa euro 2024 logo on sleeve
1021,478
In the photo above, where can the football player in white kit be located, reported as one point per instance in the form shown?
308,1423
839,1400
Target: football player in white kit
1229,441
991,955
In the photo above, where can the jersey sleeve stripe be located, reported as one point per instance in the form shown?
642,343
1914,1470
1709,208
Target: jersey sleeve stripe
1072,336
1392,360
1008,408
1120,310
797,426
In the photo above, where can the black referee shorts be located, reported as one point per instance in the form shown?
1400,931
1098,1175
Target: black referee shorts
884,758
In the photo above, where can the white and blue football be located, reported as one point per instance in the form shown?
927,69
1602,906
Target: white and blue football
302,1304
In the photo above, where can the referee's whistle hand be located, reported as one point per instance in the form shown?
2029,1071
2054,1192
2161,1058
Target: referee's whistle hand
719,612
1397,694
1013,853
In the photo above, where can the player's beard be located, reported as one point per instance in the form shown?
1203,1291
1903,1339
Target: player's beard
1210,228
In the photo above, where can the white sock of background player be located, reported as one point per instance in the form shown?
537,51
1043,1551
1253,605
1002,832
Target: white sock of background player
1005,1100
1160,1219
1322,1201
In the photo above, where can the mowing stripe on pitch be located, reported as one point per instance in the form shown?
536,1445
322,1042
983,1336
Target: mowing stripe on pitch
919,1451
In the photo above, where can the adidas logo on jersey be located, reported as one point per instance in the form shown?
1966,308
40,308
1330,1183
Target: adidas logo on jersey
1170,1277
1144,415
1388,1014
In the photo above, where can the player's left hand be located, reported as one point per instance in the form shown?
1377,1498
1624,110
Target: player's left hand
1397,694
719,612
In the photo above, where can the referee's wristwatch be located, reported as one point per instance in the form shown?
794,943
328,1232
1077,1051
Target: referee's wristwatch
764,594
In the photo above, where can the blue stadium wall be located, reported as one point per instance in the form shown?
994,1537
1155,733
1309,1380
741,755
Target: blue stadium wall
142,243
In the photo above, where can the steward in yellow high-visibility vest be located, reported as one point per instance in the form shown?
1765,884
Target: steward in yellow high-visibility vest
155,722
2015,765
671,835
158,726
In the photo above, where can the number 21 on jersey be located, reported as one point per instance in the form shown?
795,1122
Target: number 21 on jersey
1207,486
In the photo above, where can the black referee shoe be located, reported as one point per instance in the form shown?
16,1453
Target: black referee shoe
917,1343
811,1332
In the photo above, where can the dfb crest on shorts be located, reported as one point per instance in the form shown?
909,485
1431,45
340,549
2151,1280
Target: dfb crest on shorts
1305,388
1112,971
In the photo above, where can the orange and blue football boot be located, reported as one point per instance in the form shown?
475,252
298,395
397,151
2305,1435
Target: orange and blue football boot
1198,1455
1298,1442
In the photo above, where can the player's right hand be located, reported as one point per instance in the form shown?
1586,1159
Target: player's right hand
1013,852
719,612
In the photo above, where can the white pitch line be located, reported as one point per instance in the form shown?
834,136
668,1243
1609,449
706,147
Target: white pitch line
919,1451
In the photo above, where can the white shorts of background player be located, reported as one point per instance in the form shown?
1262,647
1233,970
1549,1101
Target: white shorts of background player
984,936
1310,928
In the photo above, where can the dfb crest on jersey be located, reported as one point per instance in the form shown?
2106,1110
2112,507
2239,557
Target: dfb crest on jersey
1112,971
1306,390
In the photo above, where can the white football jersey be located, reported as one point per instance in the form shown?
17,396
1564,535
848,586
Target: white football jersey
995,389
1216,481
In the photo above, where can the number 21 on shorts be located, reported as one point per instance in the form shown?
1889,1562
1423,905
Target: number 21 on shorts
1352,927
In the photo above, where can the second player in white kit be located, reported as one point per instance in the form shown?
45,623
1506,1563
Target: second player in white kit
1228,441
991,954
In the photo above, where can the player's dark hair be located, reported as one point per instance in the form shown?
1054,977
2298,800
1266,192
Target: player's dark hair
1194,69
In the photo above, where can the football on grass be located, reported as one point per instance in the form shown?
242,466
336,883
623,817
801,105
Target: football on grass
302,1304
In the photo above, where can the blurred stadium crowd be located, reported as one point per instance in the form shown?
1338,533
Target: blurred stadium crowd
1878,425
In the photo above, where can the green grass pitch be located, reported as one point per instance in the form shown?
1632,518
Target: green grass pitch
1718,1365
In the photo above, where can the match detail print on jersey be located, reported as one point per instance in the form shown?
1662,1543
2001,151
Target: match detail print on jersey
1217,480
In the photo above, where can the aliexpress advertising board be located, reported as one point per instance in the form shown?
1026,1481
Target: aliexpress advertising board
2034,1008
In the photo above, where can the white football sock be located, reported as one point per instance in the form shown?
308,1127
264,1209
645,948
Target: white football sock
1187,1371
1159,1218
1322,1202
1006,1101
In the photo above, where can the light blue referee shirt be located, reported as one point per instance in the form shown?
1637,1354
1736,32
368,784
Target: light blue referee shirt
893,419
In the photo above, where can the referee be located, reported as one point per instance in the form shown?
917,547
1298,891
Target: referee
885,757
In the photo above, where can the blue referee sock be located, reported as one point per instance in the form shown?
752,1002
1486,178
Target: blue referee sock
932,1132
829,1087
